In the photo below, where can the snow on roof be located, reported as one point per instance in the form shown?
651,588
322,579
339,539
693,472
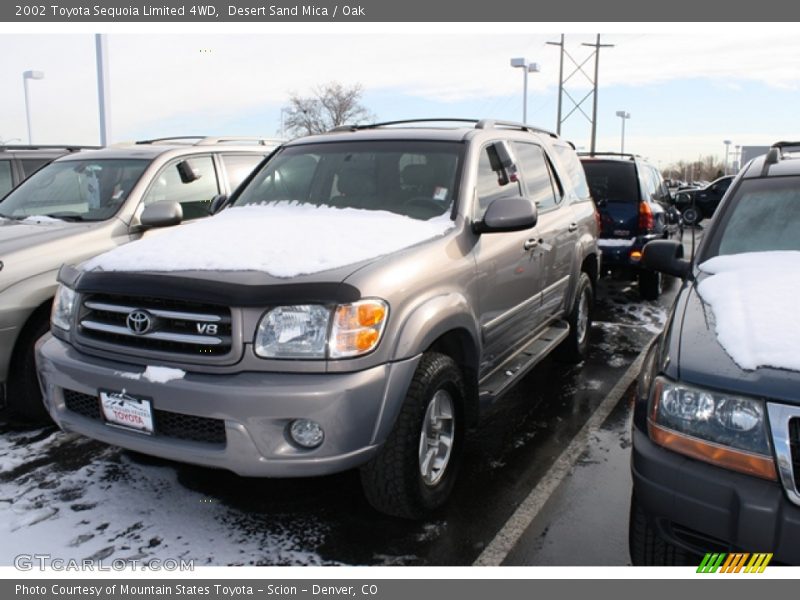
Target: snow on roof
754,297
283,240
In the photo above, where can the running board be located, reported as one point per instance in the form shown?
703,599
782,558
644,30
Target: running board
504,377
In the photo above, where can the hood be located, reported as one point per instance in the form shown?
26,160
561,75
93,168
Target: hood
704,362
18,235
286,241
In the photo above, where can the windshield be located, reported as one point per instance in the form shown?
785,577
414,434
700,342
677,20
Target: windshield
764,215
417,179
74,190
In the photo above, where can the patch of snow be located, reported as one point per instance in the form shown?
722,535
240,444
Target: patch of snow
40,219
128,374
283,240
162,374
753,297
615,243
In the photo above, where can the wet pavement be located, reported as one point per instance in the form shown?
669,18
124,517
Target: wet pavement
76,498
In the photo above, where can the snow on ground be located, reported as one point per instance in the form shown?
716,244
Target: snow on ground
754,300
283,240
78,499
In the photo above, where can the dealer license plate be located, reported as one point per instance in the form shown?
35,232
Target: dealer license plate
123,410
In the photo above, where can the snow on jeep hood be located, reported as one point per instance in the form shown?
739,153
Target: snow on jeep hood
283,240
754,297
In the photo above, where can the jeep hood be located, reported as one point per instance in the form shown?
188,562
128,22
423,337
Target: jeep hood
704,361
285,242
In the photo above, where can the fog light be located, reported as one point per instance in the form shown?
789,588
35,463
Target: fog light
305,433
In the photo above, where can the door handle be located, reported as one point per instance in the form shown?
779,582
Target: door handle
531,244
572,227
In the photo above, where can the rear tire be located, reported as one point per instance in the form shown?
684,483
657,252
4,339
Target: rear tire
650,284
574,348
647,547
415,469
23,395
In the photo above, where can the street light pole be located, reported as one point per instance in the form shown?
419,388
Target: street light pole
727,147
25,77
526,68
623,116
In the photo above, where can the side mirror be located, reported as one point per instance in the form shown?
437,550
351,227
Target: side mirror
187,172
665,256
162,214
217,203
513,213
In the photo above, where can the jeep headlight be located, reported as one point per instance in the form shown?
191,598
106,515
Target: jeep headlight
723,429
63,305
317,331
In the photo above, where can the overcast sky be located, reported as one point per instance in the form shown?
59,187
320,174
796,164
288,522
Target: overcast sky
686,92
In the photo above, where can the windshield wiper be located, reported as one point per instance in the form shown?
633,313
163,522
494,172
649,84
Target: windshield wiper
65,216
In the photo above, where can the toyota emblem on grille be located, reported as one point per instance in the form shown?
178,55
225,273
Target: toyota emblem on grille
139,321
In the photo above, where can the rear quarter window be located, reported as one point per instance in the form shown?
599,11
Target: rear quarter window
572,165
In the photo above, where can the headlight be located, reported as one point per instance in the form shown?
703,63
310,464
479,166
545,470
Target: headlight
63,304
293,332
723,429
317,331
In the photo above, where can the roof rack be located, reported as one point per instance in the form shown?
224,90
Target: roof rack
627,154
479,124
776,154
70,148
205,140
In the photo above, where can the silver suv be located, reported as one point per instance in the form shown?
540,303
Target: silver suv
364,297
86,203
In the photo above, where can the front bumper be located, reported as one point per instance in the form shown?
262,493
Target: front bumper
704,508
356,411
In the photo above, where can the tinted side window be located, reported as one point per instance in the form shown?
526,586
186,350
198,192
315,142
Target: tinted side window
239,166
31,165
489,184
195,197
536,175
5,177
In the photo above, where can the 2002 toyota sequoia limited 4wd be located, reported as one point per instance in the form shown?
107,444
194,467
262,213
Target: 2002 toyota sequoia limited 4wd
363,296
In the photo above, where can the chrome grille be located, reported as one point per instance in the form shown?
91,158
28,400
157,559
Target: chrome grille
784,423
171,326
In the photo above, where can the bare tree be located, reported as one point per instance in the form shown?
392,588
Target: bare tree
329,106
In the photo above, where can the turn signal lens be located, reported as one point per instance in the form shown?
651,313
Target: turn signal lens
357,328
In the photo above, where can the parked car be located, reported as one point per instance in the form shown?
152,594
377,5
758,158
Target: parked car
17,163
716,425
368,293
85,203
700,203
635,208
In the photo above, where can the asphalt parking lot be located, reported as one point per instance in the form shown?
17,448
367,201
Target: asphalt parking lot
76,498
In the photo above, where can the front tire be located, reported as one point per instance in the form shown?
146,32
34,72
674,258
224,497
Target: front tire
23,394
415,469
647,547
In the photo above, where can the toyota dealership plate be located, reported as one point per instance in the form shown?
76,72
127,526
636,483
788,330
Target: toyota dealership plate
122,410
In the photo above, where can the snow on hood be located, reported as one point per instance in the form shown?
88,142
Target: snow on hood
754,297
283,240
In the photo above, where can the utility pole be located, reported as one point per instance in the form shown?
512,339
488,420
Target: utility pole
597,45
578,67
560,79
